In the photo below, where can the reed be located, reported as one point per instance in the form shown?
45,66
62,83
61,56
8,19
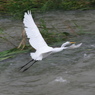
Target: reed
11,53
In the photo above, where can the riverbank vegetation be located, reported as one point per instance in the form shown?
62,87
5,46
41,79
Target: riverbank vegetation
17,7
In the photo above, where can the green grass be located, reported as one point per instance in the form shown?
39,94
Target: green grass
1,31
11,53
51,35
2,35
81,31
16,7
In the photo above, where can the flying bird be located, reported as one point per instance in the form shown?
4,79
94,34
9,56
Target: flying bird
38,43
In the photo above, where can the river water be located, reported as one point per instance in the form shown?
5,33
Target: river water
70,72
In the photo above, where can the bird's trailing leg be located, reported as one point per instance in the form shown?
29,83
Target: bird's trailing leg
29,66
26,64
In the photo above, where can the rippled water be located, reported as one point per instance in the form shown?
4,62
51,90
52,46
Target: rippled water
70,72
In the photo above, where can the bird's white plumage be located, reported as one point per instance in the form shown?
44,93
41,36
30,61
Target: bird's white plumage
37,42
35,38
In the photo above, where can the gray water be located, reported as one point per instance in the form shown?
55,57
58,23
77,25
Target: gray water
70,72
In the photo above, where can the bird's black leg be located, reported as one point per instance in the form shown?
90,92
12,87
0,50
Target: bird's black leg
29,66
26,64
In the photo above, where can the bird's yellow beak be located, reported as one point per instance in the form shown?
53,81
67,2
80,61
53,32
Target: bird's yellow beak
72,42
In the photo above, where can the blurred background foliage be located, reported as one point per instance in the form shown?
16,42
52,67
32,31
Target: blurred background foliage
18,7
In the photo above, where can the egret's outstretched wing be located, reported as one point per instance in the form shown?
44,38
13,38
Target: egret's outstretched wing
35,38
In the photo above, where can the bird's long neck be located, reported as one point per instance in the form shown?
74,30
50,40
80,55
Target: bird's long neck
57,49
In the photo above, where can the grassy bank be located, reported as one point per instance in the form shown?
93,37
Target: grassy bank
16,7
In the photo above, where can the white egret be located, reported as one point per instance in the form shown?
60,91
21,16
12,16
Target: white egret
38,43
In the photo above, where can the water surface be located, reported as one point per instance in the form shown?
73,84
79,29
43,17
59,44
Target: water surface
70,72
